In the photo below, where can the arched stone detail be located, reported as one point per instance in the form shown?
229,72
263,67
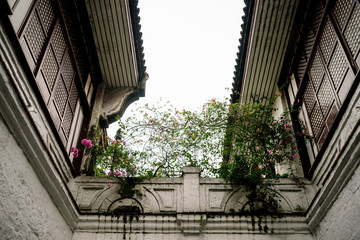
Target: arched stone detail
238,199
130,203
232,201
105,199
151,205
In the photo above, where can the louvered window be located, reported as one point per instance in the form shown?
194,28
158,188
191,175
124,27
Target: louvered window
332,65
54,56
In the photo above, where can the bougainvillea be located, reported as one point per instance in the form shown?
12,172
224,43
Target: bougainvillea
256,142
239,142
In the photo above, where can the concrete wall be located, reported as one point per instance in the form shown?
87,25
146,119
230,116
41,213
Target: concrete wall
27,210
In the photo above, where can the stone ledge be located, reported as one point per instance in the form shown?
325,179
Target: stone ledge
171,195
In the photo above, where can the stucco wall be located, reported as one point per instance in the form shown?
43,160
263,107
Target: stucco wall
26,209
342,221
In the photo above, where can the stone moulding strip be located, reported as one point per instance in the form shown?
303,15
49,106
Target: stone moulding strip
190,223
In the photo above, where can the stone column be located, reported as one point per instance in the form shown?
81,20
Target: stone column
191,191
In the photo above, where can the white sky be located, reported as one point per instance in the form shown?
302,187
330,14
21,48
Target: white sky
190,49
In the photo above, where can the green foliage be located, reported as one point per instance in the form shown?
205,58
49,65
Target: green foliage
159,141
256,142
162,140
113,159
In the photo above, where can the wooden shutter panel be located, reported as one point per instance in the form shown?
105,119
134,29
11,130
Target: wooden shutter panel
330,73
47,47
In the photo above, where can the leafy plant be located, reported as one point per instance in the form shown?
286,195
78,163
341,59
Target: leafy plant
256,142
241,143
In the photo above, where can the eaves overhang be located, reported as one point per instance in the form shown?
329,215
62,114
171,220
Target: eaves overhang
115,27
266,35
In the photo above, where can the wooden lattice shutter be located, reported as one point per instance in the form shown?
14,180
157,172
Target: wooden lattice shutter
47,47
331,70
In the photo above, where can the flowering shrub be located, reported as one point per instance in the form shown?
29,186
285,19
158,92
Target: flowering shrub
256,142
113,159
240,142
163,140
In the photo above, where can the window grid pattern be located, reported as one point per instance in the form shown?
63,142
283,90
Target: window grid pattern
338,66
48,44
327,40
50,68
35,37
58,42
352,31
316,71
325,96
329,67
47,14
341,9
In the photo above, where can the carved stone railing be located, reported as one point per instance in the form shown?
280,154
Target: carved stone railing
186,205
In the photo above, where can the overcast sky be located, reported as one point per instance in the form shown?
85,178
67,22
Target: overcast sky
190,49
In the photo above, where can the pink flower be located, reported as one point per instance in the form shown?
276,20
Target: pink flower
86,142
280,142
257,148
123,142
75,152
298,183
294,156
298,100
115,159
109,173
109,185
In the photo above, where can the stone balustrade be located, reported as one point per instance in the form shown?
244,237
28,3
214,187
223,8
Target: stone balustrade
189,205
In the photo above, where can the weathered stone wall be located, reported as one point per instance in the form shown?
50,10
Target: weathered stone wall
342,221
26,209
189,207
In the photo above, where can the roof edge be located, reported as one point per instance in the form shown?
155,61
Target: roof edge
139,49
241,55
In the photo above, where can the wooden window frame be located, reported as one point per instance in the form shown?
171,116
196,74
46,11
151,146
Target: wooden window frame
83,99
302,84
